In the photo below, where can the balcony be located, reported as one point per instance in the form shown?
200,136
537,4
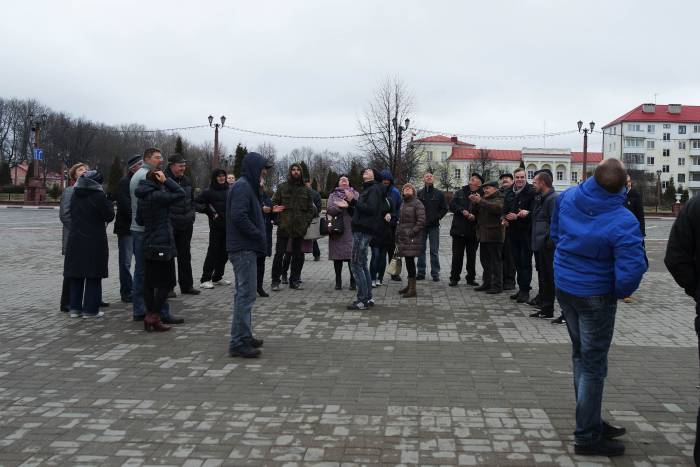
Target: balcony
694,184
694,151
694,168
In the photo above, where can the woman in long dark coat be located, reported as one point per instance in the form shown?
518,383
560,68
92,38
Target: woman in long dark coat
155,195
87,252
340,246
409,235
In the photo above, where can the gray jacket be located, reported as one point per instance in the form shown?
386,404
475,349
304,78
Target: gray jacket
541,216
133,184
64,215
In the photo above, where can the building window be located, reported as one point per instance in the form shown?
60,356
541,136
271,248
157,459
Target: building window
651,128
458,174
560,175
681,178
681,145
614,132
665,168
681,161
530,174
430,156
696,128
633,158
444,156
681,129
574,177
634,127
650,144
634,142
650,160
667,152
695,144
664,185
667,126
667,136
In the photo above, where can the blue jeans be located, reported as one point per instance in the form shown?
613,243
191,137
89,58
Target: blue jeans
358,265
590,322
126,251
432,234
85,295
245,274
377,264
139,306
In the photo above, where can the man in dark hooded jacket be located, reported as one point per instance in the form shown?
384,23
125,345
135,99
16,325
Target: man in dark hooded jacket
295,208
182,219
246,240
212,202
463,230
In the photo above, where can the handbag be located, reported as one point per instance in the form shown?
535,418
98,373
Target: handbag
336,226
394,268
157,253
313,232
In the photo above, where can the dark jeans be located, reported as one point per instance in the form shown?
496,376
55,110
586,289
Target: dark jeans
183,239
260,272
139,306
432,235
459,246
522,256
215,261
358,266
126,251
85,295
410,266
546,278
508,263
492,262
297,259
590,322
244,270
377,264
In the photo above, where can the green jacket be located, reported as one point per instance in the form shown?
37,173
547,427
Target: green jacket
295,219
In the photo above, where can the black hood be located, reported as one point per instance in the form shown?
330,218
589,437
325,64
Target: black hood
213,184
89,182
251,168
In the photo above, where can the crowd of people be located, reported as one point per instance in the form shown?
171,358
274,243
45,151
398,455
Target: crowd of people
587,244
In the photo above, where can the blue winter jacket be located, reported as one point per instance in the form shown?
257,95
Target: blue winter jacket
245,224
598,243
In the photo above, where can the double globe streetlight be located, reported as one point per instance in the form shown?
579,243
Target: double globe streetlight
215,162
585,131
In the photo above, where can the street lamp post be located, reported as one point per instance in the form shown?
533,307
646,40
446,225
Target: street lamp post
399,132
215,163
585,145
35,189
658,190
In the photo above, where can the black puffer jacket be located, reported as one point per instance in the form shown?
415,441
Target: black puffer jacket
154,201
370,208
212,201
461,226
87,251
122,221
182,211
514,202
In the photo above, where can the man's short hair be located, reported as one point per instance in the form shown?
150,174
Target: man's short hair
519,169
150,151
545,178
611,175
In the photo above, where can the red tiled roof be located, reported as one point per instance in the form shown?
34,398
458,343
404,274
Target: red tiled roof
591,157
462,154
443,139
689,114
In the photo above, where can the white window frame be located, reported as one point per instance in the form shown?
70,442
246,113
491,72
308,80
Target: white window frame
667,137
679,176
666,168
574,177
650,160
695,144
667,126
458,174
681,161
681,129
651,128
666,153
681,145
650,144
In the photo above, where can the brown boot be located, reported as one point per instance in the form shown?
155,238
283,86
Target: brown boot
411,288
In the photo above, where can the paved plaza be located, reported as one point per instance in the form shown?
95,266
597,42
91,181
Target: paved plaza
453,377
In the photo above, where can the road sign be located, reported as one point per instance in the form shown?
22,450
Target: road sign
38,154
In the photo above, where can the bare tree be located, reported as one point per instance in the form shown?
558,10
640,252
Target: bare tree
445,178
389,109
485,165
269,152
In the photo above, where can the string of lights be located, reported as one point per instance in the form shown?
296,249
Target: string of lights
495,137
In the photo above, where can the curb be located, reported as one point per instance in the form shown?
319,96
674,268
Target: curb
21,206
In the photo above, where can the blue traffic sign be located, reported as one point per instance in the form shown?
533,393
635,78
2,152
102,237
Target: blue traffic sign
38,154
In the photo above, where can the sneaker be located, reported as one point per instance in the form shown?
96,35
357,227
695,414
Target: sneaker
275,287
221,282
244,351
374,284
370,303
380,283
603,447
612,432
296,285
559,320
284,279
357,306
99,314
207,285
75,314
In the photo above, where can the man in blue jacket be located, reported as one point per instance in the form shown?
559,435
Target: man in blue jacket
599,259
246,240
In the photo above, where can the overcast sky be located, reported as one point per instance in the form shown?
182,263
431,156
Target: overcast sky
310,67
